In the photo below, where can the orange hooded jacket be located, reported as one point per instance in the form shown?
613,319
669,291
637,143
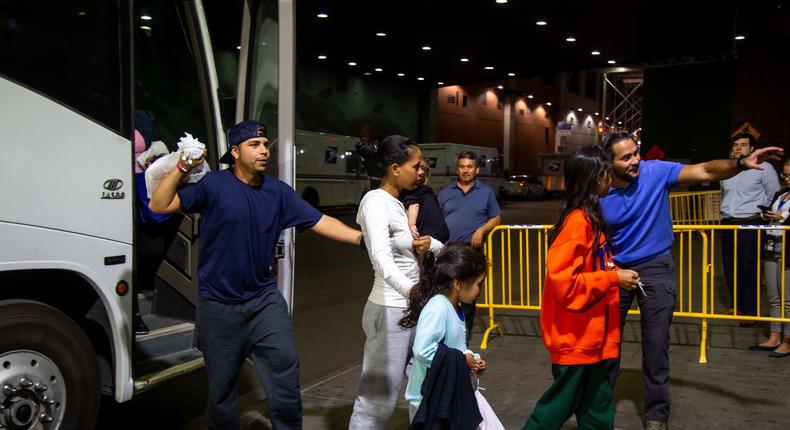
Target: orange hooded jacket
580,313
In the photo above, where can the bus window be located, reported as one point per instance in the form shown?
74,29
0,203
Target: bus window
167,81
69,52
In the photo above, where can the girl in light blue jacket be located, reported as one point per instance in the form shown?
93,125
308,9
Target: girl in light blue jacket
454,277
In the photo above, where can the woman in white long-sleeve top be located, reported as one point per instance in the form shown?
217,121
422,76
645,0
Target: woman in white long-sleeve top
393,253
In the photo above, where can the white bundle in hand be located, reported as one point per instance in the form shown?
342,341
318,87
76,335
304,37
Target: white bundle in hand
190,149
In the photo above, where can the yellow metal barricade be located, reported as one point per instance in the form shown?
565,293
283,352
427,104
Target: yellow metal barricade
695,208
517,269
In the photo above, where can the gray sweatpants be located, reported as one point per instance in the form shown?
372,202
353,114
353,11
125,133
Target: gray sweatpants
387,351
773,284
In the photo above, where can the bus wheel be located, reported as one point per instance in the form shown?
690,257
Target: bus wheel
48,370
310,195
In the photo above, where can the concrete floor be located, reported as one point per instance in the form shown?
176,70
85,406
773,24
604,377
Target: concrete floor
736,389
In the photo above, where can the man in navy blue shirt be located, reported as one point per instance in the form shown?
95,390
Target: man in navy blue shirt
241,313
471,211
637,211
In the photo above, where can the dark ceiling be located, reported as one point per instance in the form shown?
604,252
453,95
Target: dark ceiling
506,37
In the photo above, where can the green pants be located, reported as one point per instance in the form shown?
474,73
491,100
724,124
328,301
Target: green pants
582,390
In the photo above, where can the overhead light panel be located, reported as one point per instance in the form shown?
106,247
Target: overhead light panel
612,62
322,57
401,74
595,53
145,27
501,1
322,15
488,67
511,74
440,83
740,37
500,87
238,47
570,39
548,103
368,73
380,34
530,96
426,48
464,60
579,109
146,17
352,64
596,113
541,22
378,69
420,78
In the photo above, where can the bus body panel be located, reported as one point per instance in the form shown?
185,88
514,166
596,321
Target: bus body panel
37,248
61,170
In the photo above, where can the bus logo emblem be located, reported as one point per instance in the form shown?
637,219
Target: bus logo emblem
112,186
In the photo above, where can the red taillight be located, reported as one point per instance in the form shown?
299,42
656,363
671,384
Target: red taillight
521,184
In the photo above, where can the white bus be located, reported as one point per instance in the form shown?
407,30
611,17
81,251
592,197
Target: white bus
72,74
329,171
443,159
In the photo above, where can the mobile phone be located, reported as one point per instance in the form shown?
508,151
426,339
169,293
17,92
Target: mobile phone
764,208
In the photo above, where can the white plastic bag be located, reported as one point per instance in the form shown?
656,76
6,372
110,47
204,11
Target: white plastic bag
192,149
490,420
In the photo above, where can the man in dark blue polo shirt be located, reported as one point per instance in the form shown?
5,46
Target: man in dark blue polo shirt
471,211
637,211
241,313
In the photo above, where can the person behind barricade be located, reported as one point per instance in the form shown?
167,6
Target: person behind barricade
637,211
580,310
447,280
241,313
393,253
741,198
471,212
424,213
776,251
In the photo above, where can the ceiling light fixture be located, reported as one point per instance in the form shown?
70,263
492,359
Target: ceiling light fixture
501,1
440,83
511,74
420,78
378,69
570,39
426,48
488,67
579,109
595,53
238,47
500,87
611,62
352,64
145,27
368,73
541,22
380,34
401,74
596,113
322,15
548,103
145,17
322,57
530,96
740,37
464,60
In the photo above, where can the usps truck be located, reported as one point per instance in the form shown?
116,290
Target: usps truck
443,159
329,170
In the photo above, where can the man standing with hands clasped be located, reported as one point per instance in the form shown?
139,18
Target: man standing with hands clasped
637,211
241,313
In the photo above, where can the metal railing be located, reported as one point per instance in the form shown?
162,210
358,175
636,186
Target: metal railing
517,270
696,207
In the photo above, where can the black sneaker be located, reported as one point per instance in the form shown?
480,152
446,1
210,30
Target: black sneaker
140,328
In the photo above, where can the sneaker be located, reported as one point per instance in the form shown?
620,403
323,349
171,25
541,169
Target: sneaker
656,425
140,328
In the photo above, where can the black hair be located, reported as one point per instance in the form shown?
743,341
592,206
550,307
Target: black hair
393,149
468,155
743,136
456,262
613,139
583,169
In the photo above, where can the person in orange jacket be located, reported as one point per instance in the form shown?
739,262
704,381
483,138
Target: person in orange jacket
580,312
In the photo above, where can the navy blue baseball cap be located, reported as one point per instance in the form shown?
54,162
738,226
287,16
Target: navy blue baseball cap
239,133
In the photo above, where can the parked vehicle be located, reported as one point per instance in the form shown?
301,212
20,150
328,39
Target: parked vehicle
442,157
329,170
525,186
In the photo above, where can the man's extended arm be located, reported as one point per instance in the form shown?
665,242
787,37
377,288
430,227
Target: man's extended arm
332,228
716,170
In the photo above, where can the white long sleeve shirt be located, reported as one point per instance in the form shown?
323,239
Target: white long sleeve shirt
385,228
